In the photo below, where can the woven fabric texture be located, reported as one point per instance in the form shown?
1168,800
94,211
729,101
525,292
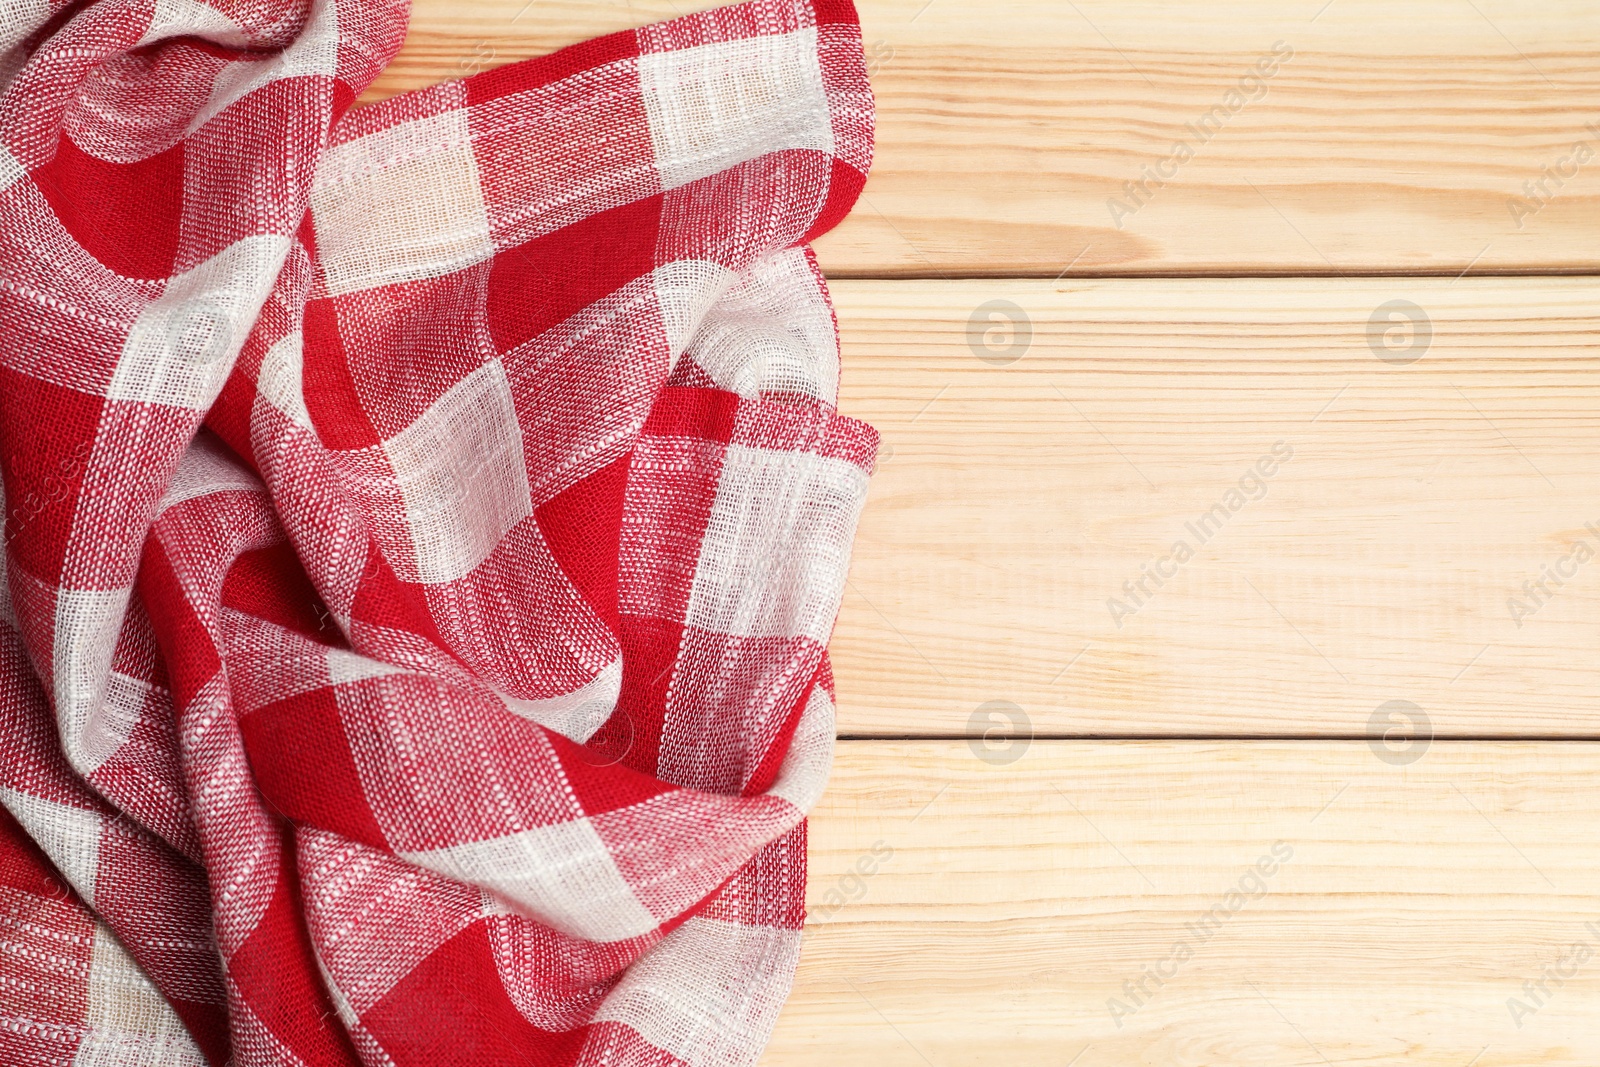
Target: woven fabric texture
424,524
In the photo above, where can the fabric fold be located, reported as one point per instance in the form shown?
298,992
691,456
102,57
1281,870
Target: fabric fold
424,527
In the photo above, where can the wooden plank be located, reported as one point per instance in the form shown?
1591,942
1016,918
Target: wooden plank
1012,502
1006,905
1397,136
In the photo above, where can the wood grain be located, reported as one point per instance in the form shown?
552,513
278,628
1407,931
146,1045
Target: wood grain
1396,138
1004,906
1012,502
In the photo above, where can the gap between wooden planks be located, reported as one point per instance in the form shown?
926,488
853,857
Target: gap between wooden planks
1388,137
1015,505
1004,905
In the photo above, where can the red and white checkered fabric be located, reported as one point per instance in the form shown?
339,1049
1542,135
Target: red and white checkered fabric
423,527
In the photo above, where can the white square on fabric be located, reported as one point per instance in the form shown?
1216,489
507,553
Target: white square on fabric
777,545
18,18
686,289
87,622
128,1022
191,18
773,332
805,767
10,169
348,668
69,836
576,715
716,105
281,380
461,473
563,874
400,205
184,342
676,995
207,467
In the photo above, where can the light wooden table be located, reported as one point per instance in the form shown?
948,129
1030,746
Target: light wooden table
1377,278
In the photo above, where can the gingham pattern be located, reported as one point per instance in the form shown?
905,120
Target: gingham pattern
423,528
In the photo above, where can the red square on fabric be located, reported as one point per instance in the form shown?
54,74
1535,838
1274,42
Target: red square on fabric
603,783
834,12
582,525
301,759
47,437
270,583
383,600
185,642
705,414
127,215
276,974
460,982
632,736
328,384
543,70
545,281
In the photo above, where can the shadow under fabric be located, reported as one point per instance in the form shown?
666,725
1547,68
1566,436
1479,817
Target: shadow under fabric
424,525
